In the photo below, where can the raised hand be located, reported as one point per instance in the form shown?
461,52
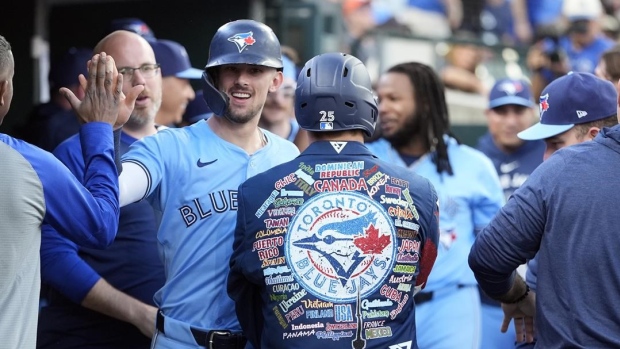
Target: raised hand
104,100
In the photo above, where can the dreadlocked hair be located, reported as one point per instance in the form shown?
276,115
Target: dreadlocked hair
431,109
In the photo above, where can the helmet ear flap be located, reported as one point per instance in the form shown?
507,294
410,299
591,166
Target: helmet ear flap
216,100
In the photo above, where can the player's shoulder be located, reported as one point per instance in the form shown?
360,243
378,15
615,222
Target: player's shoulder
42,161
26,149
403,176
266,178
465,157
279,144
379,146
69,146
179,136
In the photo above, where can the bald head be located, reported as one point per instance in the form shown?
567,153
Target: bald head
122,44
7,69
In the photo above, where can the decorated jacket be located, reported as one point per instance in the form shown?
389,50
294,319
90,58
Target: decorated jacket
330,249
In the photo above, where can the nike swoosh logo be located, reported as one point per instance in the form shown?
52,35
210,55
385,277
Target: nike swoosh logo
203,164
505,168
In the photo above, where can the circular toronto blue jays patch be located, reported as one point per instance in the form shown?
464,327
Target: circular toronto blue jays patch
339,242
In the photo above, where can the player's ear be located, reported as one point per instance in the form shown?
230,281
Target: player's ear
276,82
592,132
4,86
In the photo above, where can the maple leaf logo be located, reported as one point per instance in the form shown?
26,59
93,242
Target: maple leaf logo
242,40
249,40
371,242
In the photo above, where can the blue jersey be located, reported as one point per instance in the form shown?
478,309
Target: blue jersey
514,168
131,264
35,188
468,200
566,215
330,249
586,59
194,176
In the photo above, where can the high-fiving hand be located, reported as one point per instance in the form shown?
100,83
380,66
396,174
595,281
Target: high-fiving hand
104,100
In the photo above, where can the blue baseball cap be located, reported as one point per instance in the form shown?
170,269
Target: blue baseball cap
135,25
174,60
510,91
197,109
575,98
65,70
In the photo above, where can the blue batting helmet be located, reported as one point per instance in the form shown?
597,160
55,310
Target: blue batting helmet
239,42
334,93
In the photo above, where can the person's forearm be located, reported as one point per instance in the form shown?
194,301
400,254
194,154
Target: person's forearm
106,299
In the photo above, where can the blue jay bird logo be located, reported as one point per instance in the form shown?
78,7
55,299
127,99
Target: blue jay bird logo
335,240
343,243
511,88
242,40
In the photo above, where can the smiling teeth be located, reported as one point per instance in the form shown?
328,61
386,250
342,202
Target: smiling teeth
241,95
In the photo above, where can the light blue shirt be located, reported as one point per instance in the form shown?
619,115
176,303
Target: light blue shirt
194,176
468,200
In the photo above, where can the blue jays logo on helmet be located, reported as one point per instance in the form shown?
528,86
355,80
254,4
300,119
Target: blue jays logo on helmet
242,40
543,104
511,88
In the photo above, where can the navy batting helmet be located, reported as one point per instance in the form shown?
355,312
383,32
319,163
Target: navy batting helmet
239,42
334,93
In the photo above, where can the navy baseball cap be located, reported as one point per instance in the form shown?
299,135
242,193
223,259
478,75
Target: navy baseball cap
197,109
135,25
575,98
65,70
510,91
174,60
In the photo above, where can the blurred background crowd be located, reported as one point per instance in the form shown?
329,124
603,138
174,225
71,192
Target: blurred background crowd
471,43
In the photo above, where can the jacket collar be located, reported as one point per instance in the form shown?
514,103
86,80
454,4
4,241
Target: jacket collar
342,148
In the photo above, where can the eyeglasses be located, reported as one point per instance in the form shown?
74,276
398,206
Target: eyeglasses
146,70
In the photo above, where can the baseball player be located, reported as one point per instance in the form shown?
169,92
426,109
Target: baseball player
510,111
565,215
192,174
416,135
331,247
37,188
